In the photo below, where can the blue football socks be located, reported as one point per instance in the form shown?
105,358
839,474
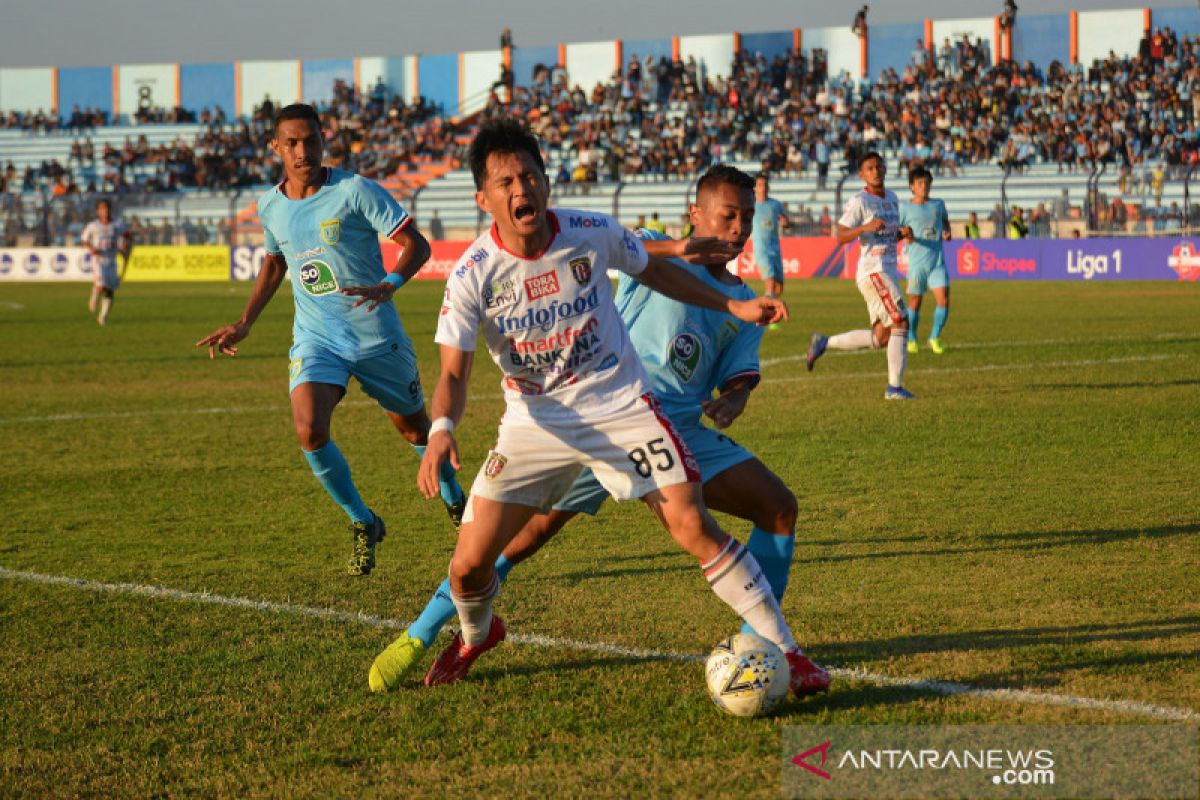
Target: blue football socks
939,321
447,479
440,608
914,319
773,552
331,469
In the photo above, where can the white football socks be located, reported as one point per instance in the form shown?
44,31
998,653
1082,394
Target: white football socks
736,578
105,305
475,612
851,340
897,355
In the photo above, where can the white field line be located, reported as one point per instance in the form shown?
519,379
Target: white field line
1002,345
944,688
820,377
1083,362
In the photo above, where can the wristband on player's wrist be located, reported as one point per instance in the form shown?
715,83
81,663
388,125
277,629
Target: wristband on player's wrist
442,424
395,279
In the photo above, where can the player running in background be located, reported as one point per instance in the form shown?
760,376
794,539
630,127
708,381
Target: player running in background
576,393
688,352
930,225
322,227
105,238
873,217
769,217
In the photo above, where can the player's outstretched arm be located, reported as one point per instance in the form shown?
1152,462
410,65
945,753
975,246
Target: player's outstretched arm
449,405
414,252
679,284
700,250
223,339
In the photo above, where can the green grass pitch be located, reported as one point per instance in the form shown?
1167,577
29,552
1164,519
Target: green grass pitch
1031,522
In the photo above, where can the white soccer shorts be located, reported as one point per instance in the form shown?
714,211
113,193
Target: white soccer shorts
632,453
885,303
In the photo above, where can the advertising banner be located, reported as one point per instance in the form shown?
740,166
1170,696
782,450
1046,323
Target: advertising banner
1101,259
165,263
45,264
244,261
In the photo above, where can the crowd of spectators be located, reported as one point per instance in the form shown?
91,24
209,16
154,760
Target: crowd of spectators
662,118
951,106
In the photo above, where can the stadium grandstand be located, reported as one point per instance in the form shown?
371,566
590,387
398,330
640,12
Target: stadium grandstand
1085,120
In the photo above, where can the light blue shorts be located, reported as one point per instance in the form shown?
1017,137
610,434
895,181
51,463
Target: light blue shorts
770,263
391,378
921,279
714,451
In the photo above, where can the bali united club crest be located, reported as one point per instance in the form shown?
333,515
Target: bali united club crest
581,268
1185,261
494,465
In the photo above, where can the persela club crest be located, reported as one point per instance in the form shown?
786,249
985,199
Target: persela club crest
331,231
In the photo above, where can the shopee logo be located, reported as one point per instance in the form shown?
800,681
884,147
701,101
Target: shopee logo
968,259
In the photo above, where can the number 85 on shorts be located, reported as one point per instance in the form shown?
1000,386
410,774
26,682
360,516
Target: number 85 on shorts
632,453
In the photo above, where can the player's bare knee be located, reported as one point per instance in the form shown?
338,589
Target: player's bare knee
312,437
468,572
414,428
779,513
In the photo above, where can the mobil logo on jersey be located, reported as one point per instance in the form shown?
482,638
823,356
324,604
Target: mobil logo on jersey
1185,260
994,260
588,222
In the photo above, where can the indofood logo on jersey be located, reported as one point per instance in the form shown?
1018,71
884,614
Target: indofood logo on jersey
318,279
684,355
331,231
1185,261
545,317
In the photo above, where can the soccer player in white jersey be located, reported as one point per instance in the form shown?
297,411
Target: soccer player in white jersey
321,226
105,238
688,353
873,217
576,392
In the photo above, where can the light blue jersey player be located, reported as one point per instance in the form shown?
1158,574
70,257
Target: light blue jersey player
769,218
321,226
689,353
926,261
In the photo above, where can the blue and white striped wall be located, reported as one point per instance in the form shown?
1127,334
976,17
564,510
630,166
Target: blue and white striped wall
459,82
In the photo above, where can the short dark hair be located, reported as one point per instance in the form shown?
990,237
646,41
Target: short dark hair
723,173
870,154
919,172
297,111
501,135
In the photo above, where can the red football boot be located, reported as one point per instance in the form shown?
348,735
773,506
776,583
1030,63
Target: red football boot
807,678
453,663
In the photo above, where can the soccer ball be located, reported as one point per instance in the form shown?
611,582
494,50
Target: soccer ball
747,675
